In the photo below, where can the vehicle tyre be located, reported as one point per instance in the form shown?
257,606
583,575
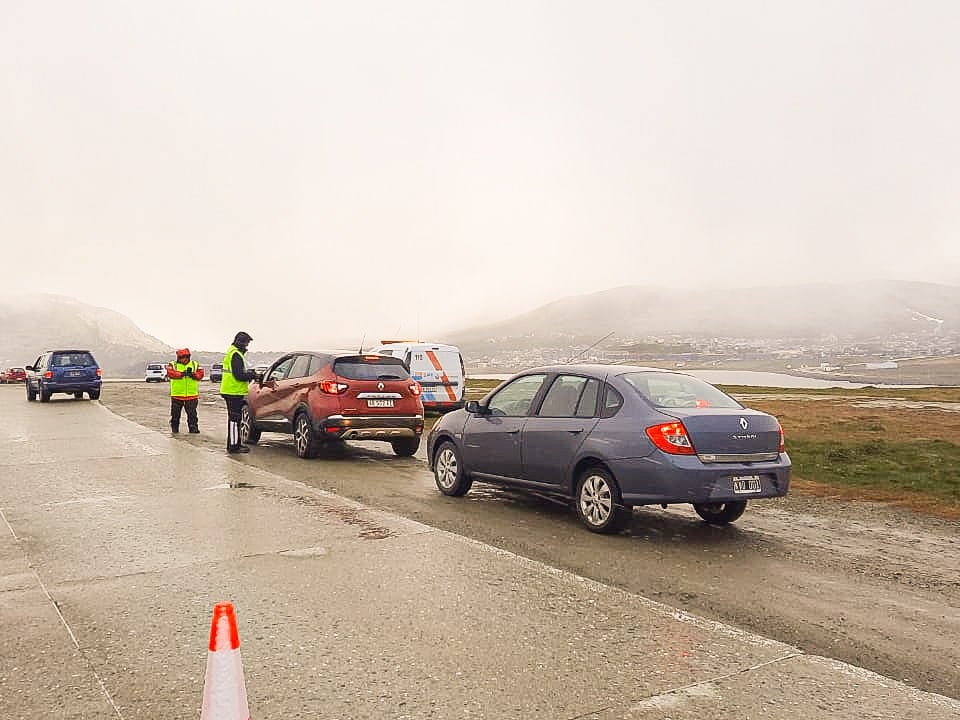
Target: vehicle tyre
249,432
94,394
31,393
598,502
78,396
44,395
304,437
405,447
720,513
448,471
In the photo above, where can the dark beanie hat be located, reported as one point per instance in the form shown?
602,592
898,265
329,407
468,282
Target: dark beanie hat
241,338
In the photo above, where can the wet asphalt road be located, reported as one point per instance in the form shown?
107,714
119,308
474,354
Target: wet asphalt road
859,582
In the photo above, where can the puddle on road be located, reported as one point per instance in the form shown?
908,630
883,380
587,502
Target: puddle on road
369,530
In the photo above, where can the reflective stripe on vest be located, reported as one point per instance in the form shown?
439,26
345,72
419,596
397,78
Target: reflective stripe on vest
184,386
229,385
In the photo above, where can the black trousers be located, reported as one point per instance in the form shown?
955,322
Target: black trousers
235,405
177,406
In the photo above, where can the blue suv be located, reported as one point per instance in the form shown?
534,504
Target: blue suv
73,372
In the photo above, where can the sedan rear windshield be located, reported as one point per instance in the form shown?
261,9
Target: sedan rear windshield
370,367
673,390
79,359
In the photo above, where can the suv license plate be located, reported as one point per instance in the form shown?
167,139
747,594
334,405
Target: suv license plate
379,403
746,484
74,373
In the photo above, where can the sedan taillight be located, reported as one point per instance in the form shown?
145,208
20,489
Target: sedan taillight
672,438
332,387
783,447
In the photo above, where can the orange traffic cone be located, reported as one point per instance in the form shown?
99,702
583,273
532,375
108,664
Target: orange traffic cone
224,693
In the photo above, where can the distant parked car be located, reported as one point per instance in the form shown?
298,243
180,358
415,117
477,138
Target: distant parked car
609,437
155,372
323,398
13,375
216,372
73,372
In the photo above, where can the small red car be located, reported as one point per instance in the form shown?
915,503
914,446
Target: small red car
323,398
14,375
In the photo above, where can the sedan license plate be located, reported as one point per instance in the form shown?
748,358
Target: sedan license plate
746,484
379,403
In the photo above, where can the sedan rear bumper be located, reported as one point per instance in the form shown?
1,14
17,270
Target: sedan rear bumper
661,478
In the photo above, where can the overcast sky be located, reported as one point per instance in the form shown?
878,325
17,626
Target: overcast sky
319,172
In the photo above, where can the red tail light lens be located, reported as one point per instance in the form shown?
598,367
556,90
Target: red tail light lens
415,389
48,374
99,372
332,387
783,447
671,438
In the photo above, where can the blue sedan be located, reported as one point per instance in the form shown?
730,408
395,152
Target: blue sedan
609,437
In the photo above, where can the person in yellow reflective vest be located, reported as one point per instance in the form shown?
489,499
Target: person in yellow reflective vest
185,376
233,389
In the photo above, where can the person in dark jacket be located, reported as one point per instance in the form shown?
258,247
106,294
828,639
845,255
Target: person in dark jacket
234,386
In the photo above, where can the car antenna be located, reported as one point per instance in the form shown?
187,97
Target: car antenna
362,339
579,354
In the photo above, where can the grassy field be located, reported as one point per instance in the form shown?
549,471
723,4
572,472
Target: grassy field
895,446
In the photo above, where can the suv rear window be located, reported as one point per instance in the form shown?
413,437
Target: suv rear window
370,367
154,367
78,359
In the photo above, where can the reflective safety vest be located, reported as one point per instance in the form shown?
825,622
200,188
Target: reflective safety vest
229,385
184,387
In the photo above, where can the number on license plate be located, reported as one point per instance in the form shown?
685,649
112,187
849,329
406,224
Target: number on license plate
74,373
379,403
746,484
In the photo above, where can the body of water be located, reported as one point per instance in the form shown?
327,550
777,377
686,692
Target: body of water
745,377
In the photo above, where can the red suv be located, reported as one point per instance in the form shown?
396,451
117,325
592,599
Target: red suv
325,397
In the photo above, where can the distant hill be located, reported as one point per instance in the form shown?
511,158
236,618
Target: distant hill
30,324
856,310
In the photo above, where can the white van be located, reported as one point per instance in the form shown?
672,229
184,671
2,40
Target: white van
437,367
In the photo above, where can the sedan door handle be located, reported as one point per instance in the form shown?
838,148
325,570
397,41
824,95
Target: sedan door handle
513,432
575,432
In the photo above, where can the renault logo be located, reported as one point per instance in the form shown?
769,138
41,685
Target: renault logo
743,423
380,387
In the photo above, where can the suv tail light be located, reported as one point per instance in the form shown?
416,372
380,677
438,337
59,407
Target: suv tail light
48,374
415,389
783,447
332,387
672,438
99,372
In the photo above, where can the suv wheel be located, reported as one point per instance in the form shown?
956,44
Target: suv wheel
304,438
44,395
448,471
94,394
405,447
720,513
598,502
249,433
31,393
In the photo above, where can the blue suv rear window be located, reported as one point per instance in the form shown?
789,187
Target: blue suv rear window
81,359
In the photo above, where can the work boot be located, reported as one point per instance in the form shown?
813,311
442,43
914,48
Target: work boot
174,428
238,449
194,430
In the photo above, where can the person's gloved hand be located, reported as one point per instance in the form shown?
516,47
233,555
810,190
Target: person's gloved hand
198,375
188,373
